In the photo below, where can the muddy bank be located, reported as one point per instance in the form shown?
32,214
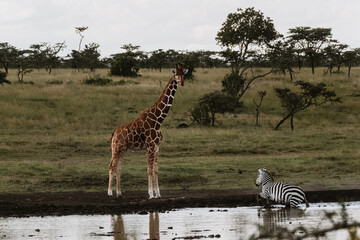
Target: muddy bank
68,203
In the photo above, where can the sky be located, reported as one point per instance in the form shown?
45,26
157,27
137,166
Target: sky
162,24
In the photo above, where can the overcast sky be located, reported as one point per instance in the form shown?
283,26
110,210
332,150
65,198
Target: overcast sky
165,24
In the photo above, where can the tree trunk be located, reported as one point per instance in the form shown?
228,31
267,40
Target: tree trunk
213,119
338,67
349,69
282,121
257,117
292,122
312,67
6,66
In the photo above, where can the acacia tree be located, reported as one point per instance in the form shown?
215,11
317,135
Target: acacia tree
126,64
90,56
80,30
51,53
244,35
283,55
261,94
3,78
23,63
8,55
310,95
158,59
310,41
334,56
38,55
352,58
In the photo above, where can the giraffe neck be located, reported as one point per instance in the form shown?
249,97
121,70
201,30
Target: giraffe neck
163,105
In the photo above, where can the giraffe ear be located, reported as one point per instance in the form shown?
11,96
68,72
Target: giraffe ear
173,71
185,71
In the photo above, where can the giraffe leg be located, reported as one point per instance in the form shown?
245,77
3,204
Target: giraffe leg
156,180
113,168
118,176
111,171
150,170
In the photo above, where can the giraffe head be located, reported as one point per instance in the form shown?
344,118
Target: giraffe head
179,73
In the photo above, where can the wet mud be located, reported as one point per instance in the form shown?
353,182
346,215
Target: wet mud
88,203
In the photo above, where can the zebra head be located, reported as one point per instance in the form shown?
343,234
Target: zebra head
263,178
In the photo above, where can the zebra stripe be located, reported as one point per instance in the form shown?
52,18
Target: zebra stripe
280,192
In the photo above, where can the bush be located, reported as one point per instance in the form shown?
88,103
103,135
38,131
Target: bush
124,66
3,79
215,102
99,81
55,82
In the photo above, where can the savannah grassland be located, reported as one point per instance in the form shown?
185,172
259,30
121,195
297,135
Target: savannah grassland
54,134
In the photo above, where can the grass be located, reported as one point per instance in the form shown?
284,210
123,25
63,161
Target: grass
54,134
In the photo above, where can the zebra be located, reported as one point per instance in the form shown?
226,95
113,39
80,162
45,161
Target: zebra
282,193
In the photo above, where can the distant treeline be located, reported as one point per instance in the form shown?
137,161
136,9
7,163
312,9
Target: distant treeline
332,55
248,40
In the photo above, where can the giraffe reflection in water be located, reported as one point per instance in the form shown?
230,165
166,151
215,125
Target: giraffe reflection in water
119,228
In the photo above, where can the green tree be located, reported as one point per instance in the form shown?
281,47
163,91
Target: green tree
309,95
38,55
334,56
158,59
8,55
91,56
24,64
126,64
310,41
52,59
244,35
352,58
3,79
189,60
283,55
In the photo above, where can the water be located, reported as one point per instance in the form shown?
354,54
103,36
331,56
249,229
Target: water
191,223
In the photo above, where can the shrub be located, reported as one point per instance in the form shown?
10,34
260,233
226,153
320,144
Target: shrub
124,66
99,81
55,82
215,102
3,78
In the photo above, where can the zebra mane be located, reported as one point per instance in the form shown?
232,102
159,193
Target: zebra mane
265,171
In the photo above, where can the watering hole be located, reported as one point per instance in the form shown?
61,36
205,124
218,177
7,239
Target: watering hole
188,223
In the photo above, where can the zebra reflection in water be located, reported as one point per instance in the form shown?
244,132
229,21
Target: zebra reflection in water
275,217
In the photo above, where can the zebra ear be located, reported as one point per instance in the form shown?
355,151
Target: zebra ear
264,169
259,170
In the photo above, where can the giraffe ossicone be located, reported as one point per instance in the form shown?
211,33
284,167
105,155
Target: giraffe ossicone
144,133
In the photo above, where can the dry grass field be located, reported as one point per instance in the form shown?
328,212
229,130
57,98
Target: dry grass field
54,134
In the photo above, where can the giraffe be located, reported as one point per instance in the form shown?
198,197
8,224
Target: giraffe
144,133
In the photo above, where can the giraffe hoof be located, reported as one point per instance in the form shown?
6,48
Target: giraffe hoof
158,196
110,193
119,195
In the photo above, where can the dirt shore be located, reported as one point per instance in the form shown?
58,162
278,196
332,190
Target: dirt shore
85,203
